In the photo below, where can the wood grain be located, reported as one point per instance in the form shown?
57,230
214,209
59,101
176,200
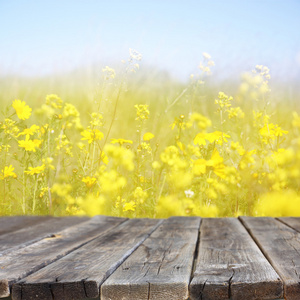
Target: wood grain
231,266
292,222
11,224
79,274
35,232
281,245
160,268
22,262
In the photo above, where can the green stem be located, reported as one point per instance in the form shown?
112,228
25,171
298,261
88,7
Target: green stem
3,203
23,194
93,157
34,193
48,181
112,120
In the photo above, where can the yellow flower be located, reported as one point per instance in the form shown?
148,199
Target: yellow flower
279,204
148,136
129,206
223,100
156,165
239,148
92,135
235,112
35,170
23,111
112,182
271,132
179,122
29,131
218,137
48,163
81,145
120,141
180,179
208,211
200,139
8,172
142,112
89,181
140,195
97,119
70,111
216,162
199,167
247,160
61,190
202,121
120,156
9,127
279,131
54,101
169,206
29,145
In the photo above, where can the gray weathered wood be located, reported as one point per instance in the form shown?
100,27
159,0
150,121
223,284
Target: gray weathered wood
281,245
231,266
79,274
160,268
293,222
11,224
29,234
22,262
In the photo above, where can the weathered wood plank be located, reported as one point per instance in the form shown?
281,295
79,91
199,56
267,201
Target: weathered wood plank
231,266
29,234
79,274
11,224
281,245
160,268
22,262
292,222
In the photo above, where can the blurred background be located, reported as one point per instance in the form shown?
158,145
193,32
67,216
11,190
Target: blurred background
52,56
42,38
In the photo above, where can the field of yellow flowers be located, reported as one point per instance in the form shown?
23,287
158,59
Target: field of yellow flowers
124,147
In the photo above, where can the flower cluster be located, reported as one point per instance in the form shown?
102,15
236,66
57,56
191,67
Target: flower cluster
225,157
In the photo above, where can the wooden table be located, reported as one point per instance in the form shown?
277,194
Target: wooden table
177,258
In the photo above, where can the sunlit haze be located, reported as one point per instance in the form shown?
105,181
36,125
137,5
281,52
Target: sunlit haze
42,37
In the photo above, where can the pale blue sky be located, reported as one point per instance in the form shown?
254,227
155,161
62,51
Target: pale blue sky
40,37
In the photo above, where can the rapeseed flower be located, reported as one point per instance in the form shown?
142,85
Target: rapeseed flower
23,111
129,206
54,101
202,121
29,145
9,127
148,136
142,112
278,204
7,172
92,135
120,156
29,131
140,195
35,170
89,181
121,141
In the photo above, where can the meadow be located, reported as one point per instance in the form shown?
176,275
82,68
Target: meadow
124,144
